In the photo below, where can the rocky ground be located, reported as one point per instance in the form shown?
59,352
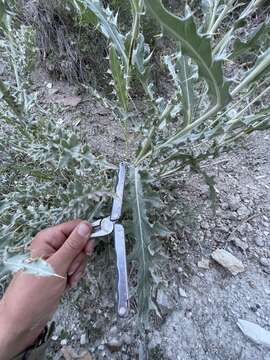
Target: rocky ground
200,300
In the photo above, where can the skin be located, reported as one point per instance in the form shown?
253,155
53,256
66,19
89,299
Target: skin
30,301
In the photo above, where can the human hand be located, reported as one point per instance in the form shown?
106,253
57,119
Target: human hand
30,301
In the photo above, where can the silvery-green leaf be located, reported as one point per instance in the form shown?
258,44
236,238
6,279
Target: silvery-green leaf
253,41
87,16
196,46
142,252
32,266
120,83
260,68
108,26
183,74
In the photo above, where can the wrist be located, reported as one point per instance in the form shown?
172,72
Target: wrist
6,337
14,338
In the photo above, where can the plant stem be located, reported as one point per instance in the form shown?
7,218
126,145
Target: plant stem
134,35
252,102
253,74
213,16
180,133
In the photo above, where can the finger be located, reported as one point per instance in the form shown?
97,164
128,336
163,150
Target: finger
74,244
44,251
76,277
89,247
53,237
76,263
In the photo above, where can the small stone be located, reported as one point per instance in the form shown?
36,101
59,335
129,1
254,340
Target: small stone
255,332
242,229
164,300
241,244
2,68
182,292
243,212
53,91
204,225
259,242
113,330
228,261
127,339
114,345
235,203
267,290
83,339
265,262
224,206
63,342
204,263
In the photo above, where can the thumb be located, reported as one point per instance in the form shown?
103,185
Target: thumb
74,244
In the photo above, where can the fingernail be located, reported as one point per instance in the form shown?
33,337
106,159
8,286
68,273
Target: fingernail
76,279
83,229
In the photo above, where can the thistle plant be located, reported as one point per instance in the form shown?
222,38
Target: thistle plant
203,113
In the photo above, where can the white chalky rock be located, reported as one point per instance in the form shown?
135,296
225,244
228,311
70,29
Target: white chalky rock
228,261
255,332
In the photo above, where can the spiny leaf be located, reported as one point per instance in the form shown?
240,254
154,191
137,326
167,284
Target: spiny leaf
250,8
143,253
221,47
240,47
260,68
198,47
32,266
108,26
87,16
138,55
183,75
120,83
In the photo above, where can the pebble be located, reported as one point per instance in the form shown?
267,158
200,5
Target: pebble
224,206
267,290
241,244
243,212
63,342
204,264
164,300
224,228
182,292
228,261
114,344
235,203
127,339
204,225
265,262
259,242
83,339
113,330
